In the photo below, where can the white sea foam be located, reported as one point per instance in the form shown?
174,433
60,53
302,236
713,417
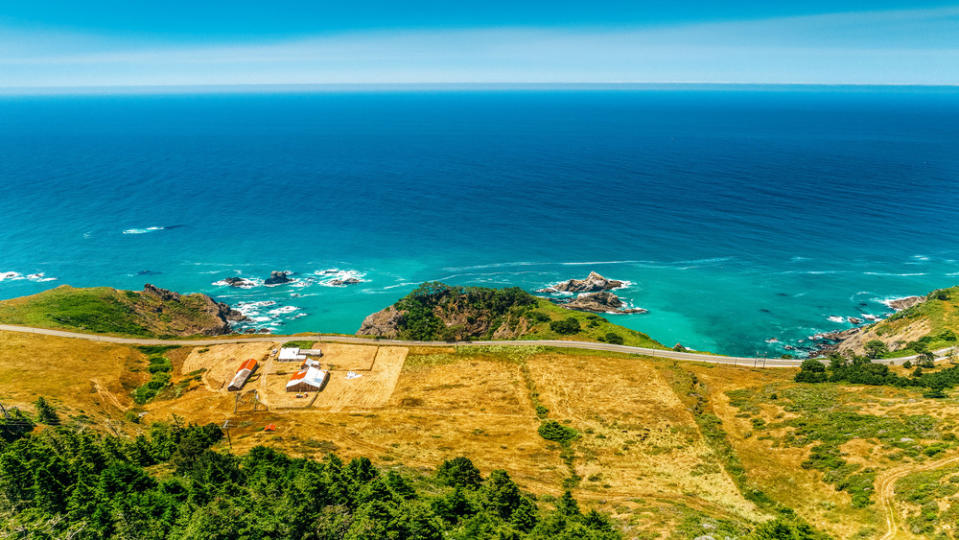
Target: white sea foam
143,230
836,319
590,263
494,265
244,283
283,310
251,309
11,276
706,261
404,284
39,277
891,274
920,257
335,277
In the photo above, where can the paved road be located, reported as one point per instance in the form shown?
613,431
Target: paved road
660,353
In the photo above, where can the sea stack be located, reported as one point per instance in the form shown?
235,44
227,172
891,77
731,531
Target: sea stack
594,282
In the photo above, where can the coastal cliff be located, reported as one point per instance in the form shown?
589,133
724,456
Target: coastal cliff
920,324
150,312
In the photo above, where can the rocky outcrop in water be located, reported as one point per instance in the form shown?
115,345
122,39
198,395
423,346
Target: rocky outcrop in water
907,302
593,283
278,278
601,302
236,282
343,282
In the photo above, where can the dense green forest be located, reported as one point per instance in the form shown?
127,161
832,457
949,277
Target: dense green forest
60,482
421,322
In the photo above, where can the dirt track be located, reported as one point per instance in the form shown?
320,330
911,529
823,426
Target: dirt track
886,490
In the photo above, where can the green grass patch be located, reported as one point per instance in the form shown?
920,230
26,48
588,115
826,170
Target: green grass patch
100,310
160,369
302,344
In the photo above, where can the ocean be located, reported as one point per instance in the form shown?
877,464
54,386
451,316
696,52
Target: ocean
746,220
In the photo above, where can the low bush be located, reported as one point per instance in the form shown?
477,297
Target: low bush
569,325
551,430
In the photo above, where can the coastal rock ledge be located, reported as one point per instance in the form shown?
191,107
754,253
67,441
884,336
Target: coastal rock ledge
593,283
601,302
384,323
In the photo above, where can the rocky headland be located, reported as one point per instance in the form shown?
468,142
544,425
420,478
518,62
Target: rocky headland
909,324
150,312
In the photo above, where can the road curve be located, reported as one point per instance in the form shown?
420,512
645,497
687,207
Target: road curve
628,349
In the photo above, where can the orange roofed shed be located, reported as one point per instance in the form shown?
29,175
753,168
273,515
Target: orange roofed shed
246,369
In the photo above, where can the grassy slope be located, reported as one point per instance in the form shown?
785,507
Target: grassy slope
936,316
103,310
97,309
600,327
642,452
639,455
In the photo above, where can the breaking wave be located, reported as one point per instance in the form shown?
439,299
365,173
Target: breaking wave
144,230
39,277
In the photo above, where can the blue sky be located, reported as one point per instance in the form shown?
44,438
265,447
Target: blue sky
122,43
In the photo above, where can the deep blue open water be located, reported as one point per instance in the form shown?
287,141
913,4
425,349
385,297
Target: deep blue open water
739,215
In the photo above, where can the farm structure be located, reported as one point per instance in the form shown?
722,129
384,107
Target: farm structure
310,378
294,354
246,369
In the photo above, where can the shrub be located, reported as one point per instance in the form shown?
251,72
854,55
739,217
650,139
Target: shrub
614,338
566,326
539,316
812,371
459,472
46,413
876,348
551,430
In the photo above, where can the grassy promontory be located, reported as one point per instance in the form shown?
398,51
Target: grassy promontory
104,310
437,311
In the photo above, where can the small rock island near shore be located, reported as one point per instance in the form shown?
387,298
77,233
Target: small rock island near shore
593,295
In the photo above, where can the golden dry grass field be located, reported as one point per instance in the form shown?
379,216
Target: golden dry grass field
668,448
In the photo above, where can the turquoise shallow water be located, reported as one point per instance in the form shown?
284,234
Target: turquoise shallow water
739,216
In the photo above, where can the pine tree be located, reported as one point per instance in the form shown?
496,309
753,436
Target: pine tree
45,413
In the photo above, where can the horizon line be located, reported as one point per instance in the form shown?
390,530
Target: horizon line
240,88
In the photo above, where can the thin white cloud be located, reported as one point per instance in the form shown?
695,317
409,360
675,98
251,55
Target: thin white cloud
911,46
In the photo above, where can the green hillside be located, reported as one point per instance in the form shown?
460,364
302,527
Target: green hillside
103,310
930,325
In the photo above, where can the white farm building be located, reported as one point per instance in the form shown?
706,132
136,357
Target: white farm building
308,379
